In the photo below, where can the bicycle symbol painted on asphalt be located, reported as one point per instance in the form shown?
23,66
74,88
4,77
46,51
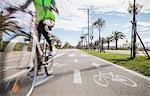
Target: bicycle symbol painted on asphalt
102,79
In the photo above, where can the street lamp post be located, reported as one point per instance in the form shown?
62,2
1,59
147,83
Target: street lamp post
88,15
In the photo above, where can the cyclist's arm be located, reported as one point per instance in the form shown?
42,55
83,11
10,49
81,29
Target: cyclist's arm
54,6
24,6
53,2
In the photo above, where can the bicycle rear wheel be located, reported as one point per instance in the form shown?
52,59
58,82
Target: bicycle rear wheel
49,59
20,73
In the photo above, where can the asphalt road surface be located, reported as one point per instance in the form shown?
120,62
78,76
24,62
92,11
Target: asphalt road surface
79,74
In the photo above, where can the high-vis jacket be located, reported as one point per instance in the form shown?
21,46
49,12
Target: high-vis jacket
43,10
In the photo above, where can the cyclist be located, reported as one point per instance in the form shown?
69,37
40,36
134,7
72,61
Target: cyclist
45,17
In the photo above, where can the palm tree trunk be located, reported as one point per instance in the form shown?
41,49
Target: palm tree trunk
100,40
102,45
108,45
116,44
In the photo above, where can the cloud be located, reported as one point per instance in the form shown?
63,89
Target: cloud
71,19
143,26
69,10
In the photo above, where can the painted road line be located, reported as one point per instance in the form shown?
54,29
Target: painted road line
83,55
71,55
111,76
76,60
77,77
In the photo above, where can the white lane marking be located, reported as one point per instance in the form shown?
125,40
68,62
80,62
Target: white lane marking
128,70
71,55
59,64
83,55
102,79
58,55
77,77
95,64
76,60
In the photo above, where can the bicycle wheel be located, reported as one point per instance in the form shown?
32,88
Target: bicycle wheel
100,80
126,81
49,59
20,74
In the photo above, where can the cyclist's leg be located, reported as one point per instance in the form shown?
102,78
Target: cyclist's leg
41,30
45,34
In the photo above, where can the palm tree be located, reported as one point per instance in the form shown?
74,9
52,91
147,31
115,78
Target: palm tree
96,43
6,25
58,43
9,26
108,40
116,36
91,36
67,45
103,41
99,24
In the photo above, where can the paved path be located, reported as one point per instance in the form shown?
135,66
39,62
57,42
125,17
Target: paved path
79,74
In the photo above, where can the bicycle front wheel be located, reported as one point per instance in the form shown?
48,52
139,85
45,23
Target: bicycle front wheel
20,73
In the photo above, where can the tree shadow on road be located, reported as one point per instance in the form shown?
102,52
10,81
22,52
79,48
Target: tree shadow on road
60,75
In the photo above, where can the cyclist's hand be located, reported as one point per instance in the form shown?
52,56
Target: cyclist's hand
56,10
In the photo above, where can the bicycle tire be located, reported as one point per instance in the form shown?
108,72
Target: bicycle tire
22,79
49,66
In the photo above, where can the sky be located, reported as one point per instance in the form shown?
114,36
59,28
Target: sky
71,20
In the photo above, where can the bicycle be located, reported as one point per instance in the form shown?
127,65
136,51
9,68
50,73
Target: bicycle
33,58
102,79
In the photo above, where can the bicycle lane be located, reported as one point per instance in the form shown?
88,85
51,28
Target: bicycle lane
76,78
140,85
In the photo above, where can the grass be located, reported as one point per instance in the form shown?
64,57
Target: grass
140,64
